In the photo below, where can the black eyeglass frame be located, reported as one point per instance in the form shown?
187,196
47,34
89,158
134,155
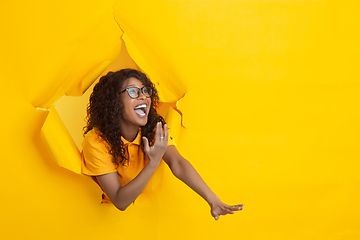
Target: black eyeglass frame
139,90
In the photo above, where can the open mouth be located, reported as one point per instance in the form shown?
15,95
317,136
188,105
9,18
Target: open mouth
141,110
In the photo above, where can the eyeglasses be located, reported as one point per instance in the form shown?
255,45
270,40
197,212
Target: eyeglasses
134,92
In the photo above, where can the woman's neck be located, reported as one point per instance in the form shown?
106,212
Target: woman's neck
129,132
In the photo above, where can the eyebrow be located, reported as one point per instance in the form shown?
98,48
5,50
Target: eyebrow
132,85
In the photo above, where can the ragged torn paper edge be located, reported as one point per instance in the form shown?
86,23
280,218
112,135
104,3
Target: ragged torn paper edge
57,138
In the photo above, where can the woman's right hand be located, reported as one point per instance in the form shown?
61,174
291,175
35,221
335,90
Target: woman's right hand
123,196
156,152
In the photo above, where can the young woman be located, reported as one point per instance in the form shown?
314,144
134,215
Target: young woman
125,141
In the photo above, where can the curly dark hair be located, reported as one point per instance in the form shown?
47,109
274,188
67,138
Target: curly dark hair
105,108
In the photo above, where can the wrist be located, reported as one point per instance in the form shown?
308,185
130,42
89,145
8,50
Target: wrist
153,164
212,199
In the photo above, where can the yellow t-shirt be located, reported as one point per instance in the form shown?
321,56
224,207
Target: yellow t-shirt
96,160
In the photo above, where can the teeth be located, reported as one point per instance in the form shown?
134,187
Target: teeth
140,106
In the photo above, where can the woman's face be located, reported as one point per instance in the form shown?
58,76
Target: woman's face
136,110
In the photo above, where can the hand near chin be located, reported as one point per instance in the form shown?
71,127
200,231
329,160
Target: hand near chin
219,208
156,152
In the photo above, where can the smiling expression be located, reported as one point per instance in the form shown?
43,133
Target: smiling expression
135,111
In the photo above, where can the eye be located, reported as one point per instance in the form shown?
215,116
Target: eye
147,91
132,92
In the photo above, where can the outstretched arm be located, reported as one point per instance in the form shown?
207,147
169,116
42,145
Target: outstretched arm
123,196
184,171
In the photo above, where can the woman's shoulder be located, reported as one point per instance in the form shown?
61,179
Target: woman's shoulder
93,139
93,132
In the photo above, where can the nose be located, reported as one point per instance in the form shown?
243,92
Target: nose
142,95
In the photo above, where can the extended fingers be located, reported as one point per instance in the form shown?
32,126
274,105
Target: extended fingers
161,134
146,144
215,215
235,207
161,131
166,133
224,209
158,132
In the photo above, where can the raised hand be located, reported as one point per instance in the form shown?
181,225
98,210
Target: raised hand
219,208
156,152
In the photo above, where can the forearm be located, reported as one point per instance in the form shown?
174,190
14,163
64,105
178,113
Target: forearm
128,193
184,171
123,196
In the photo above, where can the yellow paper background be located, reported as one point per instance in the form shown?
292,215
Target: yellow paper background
271,113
